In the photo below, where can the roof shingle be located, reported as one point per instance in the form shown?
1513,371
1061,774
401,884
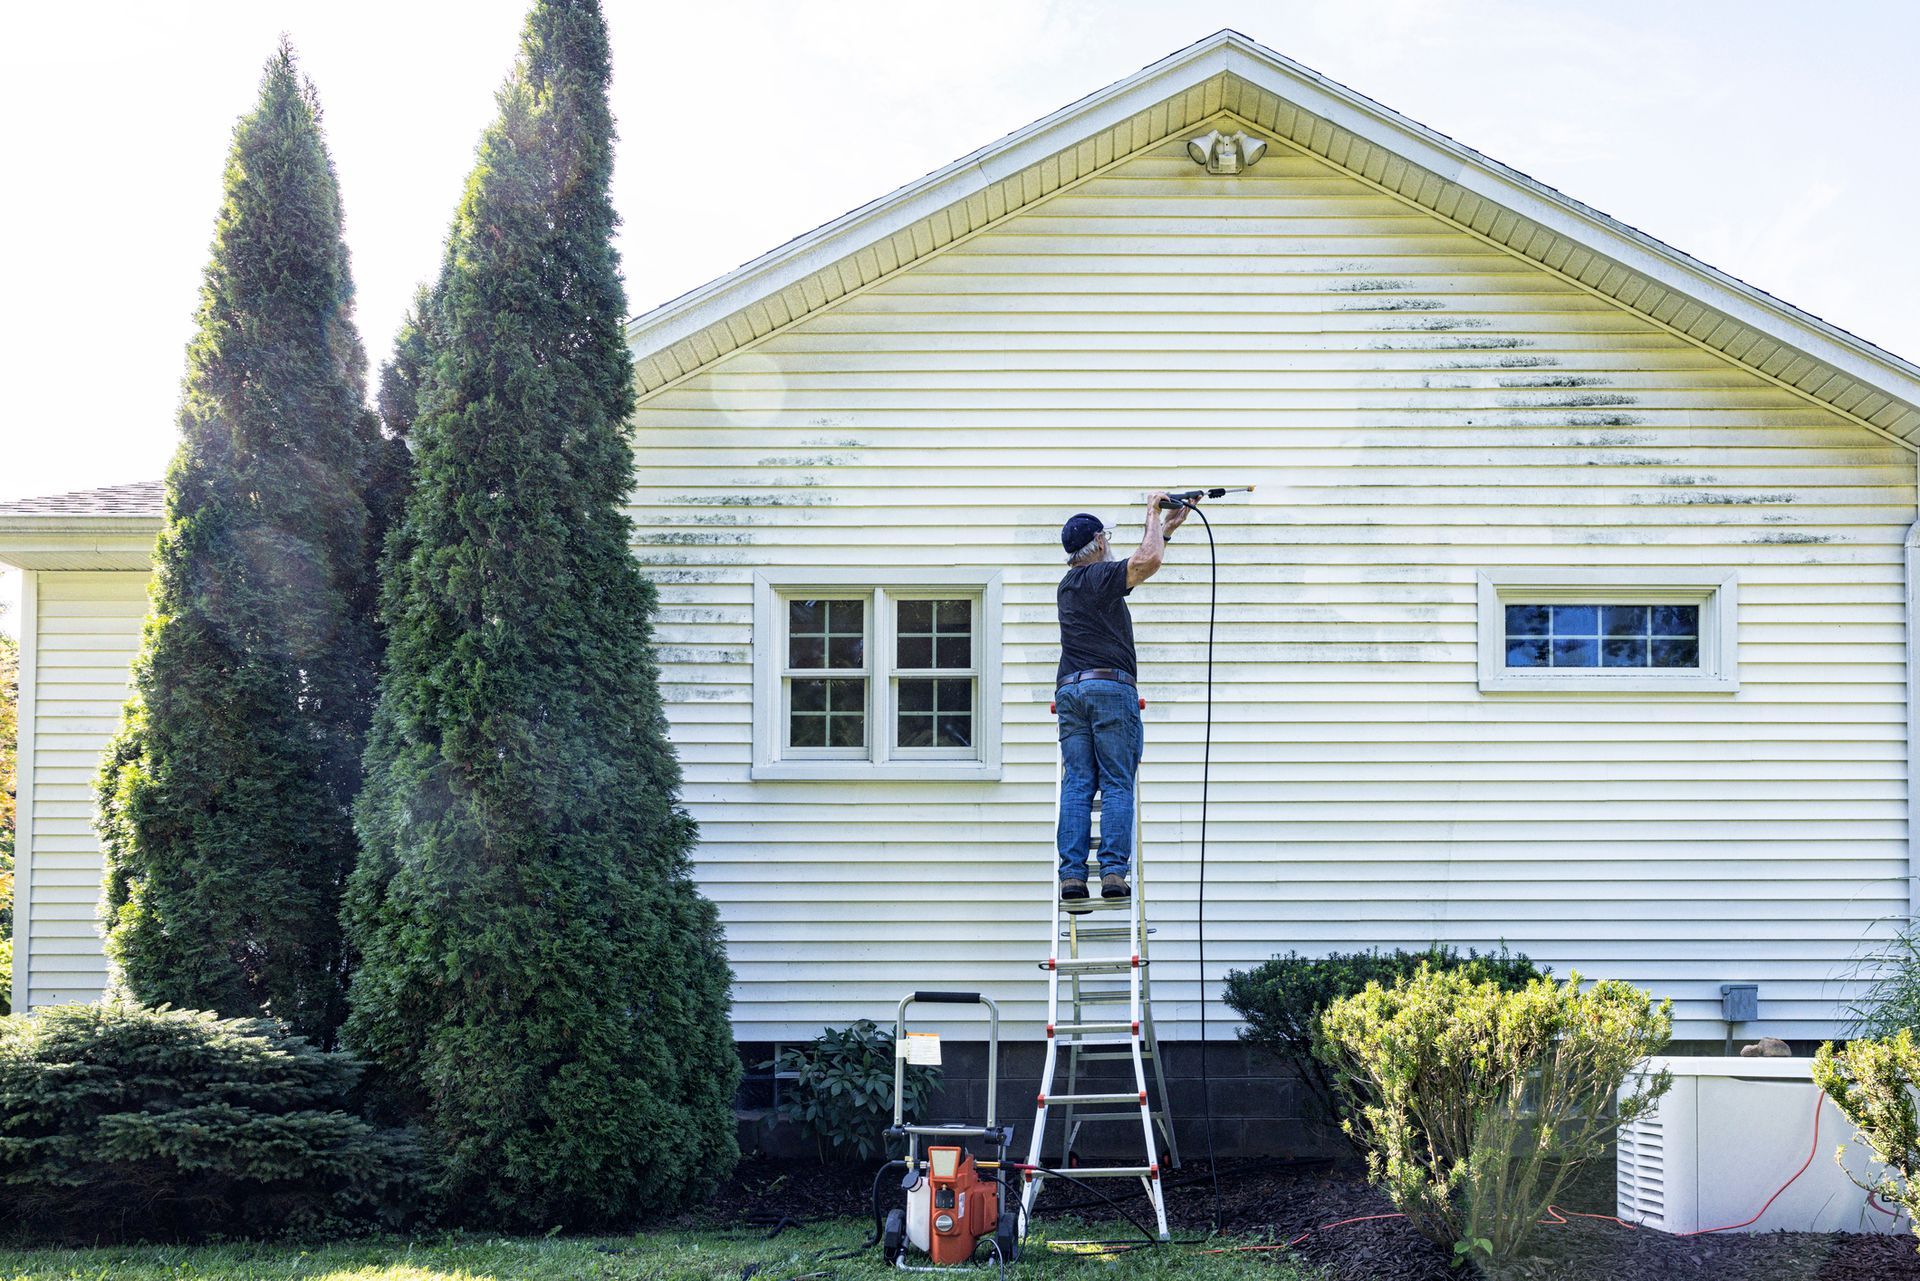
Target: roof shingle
142,498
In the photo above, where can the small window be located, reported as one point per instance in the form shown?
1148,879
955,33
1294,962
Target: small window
862,680
1548,635
826,674
1585,630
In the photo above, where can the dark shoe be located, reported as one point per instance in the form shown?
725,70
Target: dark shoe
1114,885
1071,891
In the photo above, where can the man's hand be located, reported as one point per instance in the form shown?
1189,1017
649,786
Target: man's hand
1178,518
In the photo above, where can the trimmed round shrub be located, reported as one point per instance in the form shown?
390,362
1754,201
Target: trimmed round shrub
121,1122
1282,1000
1476,1104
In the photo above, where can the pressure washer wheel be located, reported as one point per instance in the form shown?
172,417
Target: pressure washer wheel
1007,1236
895,1235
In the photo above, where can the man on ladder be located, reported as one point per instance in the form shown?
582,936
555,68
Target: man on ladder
1096,699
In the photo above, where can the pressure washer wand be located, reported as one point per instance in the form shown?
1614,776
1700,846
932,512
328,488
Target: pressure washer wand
1186,497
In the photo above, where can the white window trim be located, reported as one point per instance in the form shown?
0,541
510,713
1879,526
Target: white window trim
769,586
1715,591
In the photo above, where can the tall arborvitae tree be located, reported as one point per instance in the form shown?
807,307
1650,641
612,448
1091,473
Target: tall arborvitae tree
226,801
540,978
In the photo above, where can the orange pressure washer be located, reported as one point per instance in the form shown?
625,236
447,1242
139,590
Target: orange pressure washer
956,1197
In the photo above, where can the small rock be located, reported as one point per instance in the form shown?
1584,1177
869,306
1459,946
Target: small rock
1767,1047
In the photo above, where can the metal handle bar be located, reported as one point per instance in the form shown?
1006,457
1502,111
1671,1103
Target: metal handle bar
900,1037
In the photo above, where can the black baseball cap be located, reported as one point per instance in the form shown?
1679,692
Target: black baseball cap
1080,530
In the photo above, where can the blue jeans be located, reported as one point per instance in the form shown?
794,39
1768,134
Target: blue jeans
1100,742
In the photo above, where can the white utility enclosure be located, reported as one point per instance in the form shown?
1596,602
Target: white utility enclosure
1731,1133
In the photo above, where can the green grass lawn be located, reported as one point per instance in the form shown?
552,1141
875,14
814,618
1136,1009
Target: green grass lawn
661,1256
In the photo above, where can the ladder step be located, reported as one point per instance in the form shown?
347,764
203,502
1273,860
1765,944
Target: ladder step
1074,1100
1104,1057
1078,906
1099,1172
1133,1116
1072,1029
1094,965
1105,998
1101,933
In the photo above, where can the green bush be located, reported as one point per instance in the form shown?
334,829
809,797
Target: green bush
1282,1000
1475,1103
1889,996
839,1089
119,1122
1873,1081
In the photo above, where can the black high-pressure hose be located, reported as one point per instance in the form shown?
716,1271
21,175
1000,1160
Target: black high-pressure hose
1206,774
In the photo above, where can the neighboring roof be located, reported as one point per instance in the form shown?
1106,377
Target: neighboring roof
1229,74
110,528
143,498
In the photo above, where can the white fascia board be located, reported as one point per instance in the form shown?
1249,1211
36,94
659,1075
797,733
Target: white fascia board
1559,213
78,542
873,222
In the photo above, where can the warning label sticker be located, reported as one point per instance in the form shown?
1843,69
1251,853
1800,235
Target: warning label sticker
922,1048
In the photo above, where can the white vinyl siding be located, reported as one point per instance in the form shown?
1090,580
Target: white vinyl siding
1416,406
84,632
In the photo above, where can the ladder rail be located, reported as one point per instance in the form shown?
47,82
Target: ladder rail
1140,1042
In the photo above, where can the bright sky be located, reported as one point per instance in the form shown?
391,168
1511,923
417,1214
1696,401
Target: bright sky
1755,135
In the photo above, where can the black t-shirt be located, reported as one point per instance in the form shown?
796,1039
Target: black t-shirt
1095,628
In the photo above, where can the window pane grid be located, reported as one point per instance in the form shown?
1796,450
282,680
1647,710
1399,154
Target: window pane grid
826,674
1644,636
934,689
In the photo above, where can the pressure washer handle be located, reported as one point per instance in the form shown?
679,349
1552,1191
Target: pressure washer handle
1187,497
947,998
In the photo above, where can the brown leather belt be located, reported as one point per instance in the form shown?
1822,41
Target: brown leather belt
1095,674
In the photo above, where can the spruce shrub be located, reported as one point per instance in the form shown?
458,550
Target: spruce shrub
1282,1000
1475,1103
1875,1082
838,1089
120,1122
539,980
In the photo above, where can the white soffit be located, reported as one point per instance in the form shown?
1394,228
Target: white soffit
1228,73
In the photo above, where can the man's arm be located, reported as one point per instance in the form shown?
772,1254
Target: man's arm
1146,558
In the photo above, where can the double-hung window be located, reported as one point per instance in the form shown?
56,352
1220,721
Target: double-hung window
857,677
1605,631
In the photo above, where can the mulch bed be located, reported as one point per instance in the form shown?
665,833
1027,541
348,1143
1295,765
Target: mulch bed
1279,1202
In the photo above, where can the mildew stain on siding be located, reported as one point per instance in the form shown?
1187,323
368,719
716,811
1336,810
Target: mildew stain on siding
1553,380
769,499
1583,400
1794,537
691,538
1715,500
1375,285
1463,343
1436,324
1394,304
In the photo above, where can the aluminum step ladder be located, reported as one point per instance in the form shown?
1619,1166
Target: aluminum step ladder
1087,984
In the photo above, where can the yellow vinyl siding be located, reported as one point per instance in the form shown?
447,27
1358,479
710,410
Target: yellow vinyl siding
86,633
1415,406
